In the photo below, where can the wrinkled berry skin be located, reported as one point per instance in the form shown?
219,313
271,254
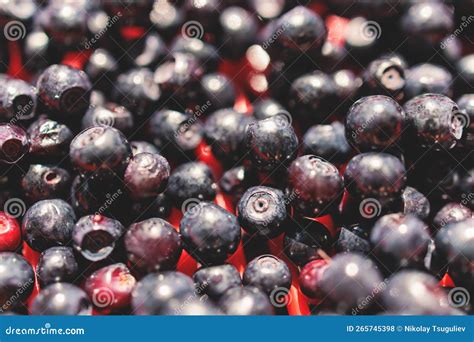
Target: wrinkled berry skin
191,180
265,108
431,121
375,175
268,273
246,301
50,301
153,245
64,91
49,139
466,105
139,146
310,278
349,279
205,53
454,246
101,150
219,91
110,288
262,211
57,265
210,234
216,280
428,78
353,239
374,123
304,239
110,114
400,241
451,213
327,141
15,274
146,175
415,203
271,143
315,184
224,131
42,182
156,290
384,76
312,96
95,236
17,99
48,223
14,143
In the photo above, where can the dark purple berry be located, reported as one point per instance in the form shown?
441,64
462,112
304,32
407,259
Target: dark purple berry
216,280
265,108
57,265
327,141
139,146
385,76
14,143
268,273
353,239
45,182
310,278
247,300
428,78
415,203
466,105
49,139
17,100
61,299
17,280
205,53
451,213
218,90
111,115
234,182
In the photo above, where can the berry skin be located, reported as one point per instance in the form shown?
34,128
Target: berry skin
10,233
17,99
375,175
374,123
57,265
234,182
268,273
51,301
153,245
466,105
245,301
415,203
101,68
216,280
195,307
271,142
191,180
317,185
49,139
156,290
205,53
428,78
465,69
451,213
219,91
210,234
310,278
349,279
95,236
146,175
327,141
265,108
385,76
14,143
400,241
262,211
353,239
110,288
48,223
100,149
64,91
143,146
16,280
304,239
110,114
431,121
42,182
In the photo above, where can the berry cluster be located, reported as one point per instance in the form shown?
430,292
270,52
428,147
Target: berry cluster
244,157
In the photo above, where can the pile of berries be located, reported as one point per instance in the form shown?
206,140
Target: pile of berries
244,157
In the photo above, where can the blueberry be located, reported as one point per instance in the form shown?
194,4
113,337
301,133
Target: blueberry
48,223
219,91
451,213
64,91
148,51
153,245
265,108
315,184
400,241
110,114
415,203
216,280
350,282
156,290
205,12
146,175
101,149
166,18
385,76
466,184
110,288
431,118
37,50
262,211
374,123
327,141
466,105
16,280
61,299
271,142
210,234
139,146
102,67
268,273
304,239
14,143
310,278
347,84
206,54
193,307
49,139
247,300
17,100
465,69
42,182
95,236
57,265
428,78
353,239
235,181
159,206
191,180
